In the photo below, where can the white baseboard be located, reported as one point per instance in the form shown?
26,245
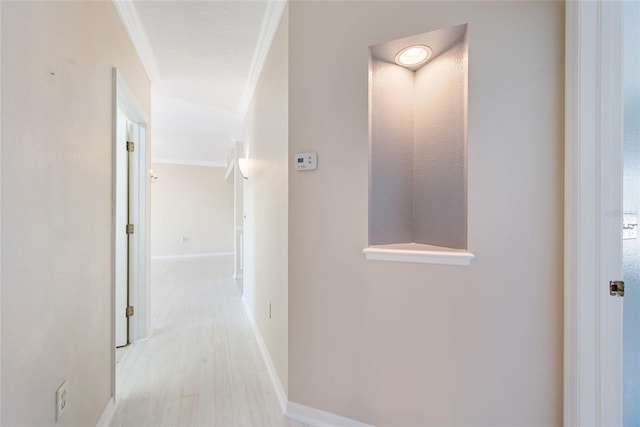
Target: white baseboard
318,418
275,380
183,256
189,163
107,414
141,340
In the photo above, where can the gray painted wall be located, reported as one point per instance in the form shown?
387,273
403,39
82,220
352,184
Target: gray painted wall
391,211
418,151
440,176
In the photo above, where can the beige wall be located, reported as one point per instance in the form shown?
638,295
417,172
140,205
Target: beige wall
266,202
194,202
412,344
57,60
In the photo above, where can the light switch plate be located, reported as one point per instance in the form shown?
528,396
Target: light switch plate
306,161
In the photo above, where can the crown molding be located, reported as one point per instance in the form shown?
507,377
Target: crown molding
131,21
268,28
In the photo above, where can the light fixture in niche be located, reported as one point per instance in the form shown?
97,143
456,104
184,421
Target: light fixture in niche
413,55
418,113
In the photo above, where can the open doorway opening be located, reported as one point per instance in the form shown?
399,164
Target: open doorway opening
130,293
129,136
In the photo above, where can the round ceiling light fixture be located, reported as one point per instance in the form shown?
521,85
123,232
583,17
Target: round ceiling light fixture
413,55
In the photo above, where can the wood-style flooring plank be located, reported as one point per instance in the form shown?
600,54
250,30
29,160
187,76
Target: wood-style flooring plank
201,366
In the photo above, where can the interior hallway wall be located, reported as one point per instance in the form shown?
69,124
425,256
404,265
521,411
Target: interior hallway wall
57,101
194,203
394,343
266,203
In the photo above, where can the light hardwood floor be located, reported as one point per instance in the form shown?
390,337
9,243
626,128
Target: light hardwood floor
201,366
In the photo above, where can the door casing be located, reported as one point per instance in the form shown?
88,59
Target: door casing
593,213
139,326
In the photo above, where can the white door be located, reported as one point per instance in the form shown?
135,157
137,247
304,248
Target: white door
121,207
631,209
124,199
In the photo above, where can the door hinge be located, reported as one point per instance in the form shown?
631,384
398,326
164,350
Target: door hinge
616,288
130,311
131,146
129,228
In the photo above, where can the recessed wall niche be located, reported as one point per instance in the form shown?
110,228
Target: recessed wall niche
418,142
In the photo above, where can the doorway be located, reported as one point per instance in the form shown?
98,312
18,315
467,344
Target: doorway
128,136
593,214
130,289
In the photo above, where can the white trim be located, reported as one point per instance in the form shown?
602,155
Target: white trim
126,100
238,276
107,414
273,375
230,170
185,256
189,163
418,256
131,21
592,376
571,219
268,28
318,418
1,400
145,339
610,212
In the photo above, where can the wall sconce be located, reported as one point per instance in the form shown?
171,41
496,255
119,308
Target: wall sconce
153,176
243,164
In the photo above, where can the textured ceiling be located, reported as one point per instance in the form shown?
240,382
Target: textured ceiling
203,58
203,49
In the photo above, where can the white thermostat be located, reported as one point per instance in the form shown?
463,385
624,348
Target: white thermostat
306,161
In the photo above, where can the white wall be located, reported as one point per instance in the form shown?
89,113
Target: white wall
194,202
414,344
266,202
57,60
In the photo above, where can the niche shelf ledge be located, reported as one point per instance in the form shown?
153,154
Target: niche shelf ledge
417,253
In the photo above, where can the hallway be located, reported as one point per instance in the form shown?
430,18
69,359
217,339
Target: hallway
202,365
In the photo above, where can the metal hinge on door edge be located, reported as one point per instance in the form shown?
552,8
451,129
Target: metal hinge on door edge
131,146
129,311
129,228
616,288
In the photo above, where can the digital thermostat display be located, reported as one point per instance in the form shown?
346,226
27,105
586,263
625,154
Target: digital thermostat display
306,161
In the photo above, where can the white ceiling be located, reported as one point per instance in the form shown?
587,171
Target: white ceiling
203,58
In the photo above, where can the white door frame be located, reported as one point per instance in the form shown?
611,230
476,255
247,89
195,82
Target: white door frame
593,213
121,240
139,326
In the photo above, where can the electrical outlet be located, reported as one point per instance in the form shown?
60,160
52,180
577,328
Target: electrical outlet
61,400
269,308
